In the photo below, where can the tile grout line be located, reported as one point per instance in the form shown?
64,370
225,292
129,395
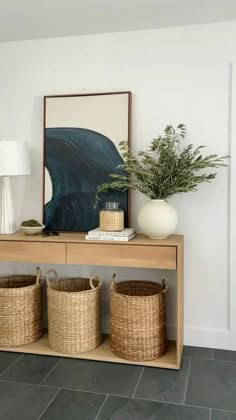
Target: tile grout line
186,386
197,357
27,383
224,411
170,402
212,354
100,409
222,360
125,396
40,416
51,370
210,414
135,389
80,390
113,395
20,357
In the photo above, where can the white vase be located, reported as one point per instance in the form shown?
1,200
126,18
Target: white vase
157,219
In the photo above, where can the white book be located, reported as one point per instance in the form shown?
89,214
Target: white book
98,232
109,238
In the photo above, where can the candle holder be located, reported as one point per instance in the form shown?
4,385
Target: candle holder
111,217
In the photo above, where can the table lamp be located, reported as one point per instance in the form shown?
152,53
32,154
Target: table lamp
14,161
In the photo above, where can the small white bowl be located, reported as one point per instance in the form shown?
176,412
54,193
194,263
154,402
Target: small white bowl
32,230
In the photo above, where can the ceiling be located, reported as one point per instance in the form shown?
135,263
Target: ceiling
30,19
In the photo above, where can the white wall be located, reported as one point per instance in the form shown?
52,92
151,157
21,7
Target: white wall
232,221
176,75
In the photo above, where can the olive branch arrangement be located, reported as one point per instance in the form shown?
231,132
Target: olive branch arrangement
167,168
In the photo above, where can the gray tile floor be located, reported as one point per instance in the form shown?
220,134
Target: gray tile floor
49,388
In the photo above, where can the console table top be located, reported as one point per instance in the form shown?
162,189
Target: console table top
72,237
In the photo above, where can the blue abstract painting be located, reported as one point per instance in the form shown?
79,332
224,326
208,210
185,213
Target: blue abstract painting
77,160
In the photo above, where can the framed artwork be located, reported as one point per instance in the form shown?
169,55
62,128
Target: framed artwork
81,148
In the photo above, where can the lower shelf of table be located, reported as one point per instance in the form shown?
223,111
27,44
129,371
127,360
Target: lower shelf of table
102,353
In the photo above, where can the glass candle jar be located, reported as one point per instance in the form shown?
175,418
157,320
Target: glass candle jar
111,217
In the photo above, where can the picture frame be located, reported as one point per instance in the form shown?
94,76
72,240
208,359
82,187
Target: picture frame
82,133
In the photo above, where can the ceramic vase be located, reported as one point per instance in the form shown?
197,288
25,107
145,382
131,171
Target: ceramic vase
157,219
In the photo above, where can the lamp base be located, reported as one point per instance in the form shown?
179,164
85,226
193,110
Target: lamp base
8,224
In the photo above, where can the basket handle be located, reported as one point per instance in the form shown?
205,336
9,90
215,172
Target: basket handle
38,275
51,271
164,286
93,277
113,281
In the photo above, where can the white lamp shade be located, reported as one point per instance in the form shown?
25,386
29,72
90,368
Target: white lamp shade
14,158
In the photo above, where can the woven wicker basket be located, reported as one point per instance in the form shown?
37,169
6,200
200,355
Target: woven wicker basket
74,313
20,310
138,319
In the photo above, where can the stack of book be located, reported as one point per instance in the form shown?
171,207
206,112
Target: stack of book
101,235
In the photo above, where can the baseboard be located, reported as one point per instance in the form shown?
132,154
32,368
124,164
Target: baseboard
194,336
206,337
202,337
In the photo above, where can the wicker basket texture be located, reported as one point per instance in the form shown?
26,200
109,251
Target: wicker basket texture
111,221
20,310
138,319
74,313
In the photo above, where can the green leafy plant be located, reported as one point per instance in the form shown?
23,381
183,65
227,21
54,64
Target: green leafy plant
169,167
31,223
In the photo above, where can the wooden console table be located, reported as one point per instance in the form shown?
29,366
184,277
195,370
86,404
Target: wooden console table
72,248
